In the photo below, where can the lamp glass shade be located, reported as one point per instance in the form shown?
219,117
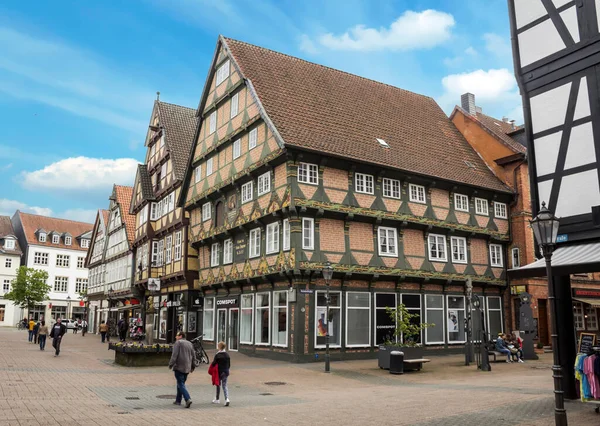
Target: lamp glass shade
545,227
327,271
476,301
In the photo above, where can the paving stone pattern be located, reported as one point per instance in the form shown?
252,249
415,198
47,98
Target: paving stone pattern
83,387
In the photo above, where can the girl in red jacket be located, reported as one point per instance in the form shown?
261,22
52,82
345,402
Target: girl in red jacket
222,363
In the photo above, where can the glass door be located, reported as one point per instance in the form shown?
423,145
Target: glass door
221,325
234,326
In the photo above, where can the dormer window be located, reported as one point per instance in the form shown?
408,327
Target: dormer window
42,237
85,243
68,241
9,244
55,239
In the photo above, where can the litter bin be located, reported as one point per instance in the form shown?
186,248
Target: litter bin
396,362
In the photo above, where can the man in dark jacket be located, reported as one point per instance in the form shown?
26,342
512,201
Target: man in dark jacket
122,328
182,363
58,331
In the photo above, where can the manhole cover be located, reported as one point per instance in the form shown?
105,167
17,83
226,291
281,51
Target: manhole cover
137,408
265,394
275,383
166,396
132,397
123,412
111,405
132,391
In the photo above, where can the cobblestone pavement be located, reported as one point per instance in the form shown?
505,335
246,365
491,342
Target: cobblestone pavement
84,387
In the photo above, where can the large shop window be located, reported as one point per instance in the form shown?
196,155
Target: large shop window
262,318
412,302
208,320
455,317
247,318
333,323
280,318
434,314
494,305
358,319
384,324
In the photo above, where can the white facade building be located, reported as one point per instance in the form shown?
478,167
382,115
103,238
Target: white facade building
59,247
10,260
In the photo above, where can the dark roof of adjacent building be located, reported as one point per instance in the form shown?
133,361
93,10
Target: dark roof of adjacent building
502,130
321,109
179,124
124,194
32,223
6,230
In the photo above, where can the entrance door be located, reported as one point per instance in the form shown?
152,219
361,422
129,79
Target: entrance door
234,327
222,325
543,322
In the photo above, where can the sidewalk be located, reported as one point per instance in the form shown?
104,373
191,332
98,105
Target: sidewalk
83,386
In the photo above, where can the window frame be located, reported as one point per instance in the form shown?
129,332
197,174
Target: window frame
464,241
418,189
346,309
262,308
362,180
590,312
498,208
237,148
168,249
517,251
265,187
55,239
479,204
68,241
247,192
437,259
8,262
228,251
63,261
387,185
579,316
204,324
488,309
309,171
212,122
222,73
427,309
287,318
43,257
252,138
209,166
214,255
242,308
286,235
316,317
62,282
499,264
388,253
272,246
178,246
460,325
42,237
235,100
311,246
460,199
198,173
254,243
206,211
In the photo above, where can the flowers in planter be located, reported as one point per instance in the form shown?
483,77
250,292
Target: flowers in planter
408,327
139,347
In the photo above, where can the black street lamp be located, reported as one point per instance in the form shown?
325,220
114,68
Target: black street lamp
327,274
545,228
484,356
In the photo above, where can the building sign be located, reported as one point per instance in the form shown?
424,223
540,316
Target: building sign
587,293
517,289
306,291
173,303
240,248
586,342
563,238
228,302
153,284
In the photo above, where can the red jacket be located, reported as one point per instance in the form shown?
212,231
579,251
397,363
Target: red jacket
213,371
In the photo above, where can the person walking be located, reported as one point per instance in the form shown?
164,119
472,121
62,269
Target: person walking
77,326
223,362
122,326
182,363
57,333
30,328
42,334
84,328
103,330
36,328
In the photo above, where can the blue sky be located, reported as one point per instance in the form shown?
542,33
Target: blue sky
78,79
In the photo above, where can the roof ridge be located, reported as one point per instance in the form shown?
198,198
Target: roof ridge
327,67
176,105
56,218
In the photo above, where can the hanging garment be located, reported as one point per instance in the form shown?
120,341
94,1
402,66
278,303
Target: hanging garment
588,370
584,387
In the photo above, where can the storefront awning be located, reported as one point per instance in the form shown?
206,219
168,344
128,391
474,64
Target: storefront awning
595,303
575,259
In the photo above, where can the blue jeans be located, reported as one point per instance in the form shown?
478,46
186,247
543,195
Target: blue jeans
181,389
42,339
31,335
504,351
223,379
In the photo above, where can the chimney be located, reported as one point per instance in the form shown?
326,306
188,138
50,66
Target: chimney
467,102
505,119
512,124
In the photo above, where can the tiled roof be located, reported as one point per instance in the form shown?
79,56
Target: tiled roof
32,223
321,109
502,130
146,182
179,125
124,194
6,229
105,216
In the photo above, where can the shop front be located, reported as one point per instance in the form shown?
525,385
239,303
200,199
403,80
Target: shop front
174,312
228,321
586,304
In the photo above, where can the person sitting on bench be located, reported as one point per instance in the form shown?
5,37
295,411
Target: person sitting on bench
502,347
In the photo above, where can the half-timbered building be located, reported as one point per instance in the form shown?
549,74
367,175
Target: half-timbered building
166,268
295,165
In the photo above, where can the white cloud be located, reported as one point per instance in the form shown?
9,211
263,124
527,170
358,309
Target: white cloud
497,45
80,215
471,51
412,30
486,85
307,45
9,207
82,175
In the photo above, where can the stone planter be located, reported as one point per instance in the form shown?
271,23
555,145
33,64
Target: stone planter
142,359
383,356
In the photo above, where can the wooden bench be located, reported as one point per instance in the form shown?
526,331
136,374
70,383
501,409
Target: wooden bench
414,364
496,354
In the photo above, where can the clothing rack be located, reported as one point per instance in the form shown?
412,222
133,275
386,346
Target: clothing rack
595,350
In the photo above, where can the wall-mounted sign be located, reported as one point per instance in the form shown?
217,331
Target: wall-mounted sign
517,289
240,248
306,291
173,303
153,284
586,293
228,302
562,238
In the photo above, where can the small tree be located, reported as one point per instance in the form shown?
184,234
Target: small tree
406,328
29,288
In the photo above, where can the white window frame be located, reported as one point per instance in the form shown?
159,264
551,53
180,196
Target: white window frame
364,184
487,311
515,253
461,203
237,149
456,242
55,239
590,313
206,211
154,259
499,262
500,210
392,188
209,166
578,316
287,317
460,325
154,213
262,308
212,326
9,244
42,237
272,238
222,73
228,251
254,243
419,190
178,245
212,122
214,255
63,283
247,192
437,242
68,241
168,248
40,258
63,260
347,308
308,173
252,138
263,184
80,262
310,246
482,207
8,263
198,173
235,101
81,284
316,318
242,308
6,286
384,232
427,309
286,235
161,253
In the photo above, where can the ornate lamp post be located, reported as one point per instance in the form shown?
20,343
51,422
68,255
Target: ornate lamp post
484,356
327,274
545,228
